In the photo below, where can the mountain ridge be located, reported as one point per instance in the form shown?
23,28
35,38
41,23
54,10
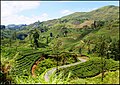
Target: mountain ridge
104,9
105,13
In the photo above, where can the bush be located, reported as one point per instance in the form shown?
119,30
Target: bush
91,68
45,64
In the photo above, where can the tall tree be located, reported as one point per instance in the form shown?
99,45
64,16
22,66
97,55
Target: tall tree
33,37
102,50
36,37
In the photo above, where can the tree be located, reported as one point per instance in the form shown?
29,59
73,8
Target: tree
51,34
63,29
47,39
113,50
111,47
33,37
14,35
30,35
102,54
102,51
36,37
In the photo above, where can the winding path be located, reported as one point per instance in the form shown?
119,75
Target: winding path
48,73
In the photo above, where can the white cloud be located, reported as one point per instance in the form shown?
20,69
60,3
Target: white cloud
23,19
12,7
10,11
66,12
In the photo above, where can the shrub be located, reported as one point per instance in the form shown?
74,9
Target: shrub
91,68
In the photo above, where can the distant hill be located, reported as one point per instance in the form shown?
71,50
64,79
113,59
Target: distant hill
81,25
78,26
74,20
103,13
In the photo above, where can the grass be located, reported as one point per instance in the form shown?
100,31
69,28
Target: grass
92,67
59,79
111,77
72,42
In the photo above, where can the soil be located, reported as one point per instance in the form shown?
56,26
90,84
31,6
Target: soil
35,65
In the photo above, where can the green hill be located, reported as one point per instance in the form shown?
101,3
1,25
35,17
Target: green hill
82,34
103,13
72,29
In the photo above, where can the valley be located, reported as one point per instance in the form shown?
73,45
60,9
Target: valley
80,48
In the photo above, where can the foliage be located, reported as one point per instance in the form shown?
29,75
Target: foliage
62,59
54,79
64,35
23,63
109,78
111,47
45,64
91,68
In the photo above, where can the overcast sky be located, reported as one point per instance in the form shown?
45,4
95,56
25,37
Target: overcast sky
27,12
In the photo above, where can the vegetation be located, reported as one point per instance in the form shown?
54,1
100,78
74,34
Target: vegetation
91,68
61,42
109,78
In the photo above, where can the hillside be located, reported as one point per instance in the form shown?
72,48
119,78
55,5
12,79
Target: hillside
76,26
77,48
100,19
78,19
103,13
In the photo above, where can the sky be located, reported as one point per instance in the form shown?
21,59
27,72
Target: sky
27,12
